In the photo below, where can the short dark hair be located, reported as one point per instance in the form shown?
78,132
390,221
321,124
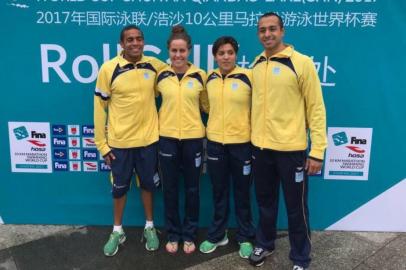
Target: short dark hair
179,32
269,14
222,41
129,27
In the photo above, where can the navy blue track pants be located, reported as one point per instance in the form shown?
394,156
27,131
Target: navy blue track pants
270,169
230,163
178,157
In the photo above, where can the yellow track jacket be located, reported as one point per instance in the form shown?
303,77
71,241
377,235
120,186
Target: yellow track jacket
179,115
287,102
230,106
124,96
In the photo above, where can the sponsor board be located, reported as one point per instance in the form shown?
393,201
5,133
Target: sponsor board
348,153
88,142
73,130
30,147
75,166
90,166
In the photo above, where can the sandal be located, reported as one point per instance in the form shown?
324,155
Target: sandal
171,247
189,247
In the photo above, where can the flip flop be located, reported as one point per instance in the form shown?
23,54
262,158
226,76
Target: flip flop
189,247
171,247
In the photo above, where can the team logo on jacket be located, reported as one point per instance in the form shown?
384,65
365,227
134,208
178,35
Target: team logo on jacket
146,75
123,69
190,84
234,86
276,70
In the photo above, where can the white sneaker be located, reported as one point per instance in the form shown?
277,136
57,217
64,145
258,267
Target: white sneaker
297,267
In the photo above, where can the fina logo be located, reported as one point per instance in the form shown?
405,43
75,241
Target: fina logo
89,154
341,138
356,149
60,166
104,167
59,142
88,130
35,141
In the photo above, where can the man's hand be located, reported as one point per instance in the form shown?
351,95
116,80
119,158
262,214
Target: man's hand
109,157
313,166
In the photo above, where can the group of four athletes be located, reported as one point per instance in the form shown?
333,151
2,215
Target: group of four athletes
258,124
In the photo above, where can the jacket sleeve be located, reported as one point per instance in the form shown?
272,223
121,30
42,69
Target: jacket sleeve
204,99
315,110
102,95
156,90
159,66
250,77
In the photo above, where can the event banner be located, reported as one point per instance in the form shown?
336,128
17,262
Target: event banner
30,147
52,51
348,153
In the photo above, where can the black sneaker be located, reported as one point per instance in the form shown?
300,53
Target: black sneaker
259,255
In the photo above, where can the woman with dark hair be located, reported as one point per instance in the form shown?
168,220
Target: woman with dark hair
229,147
181,131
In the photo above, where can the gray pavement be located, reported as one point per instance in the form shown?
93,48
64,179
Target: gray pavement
30,247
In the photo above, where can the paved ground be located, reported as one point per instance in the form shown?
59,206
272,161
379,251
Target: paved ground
28,247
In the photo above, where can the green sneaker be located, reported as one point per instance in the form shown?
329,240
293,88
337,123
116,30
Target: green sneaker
209,247
111,247
245,250
152,239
